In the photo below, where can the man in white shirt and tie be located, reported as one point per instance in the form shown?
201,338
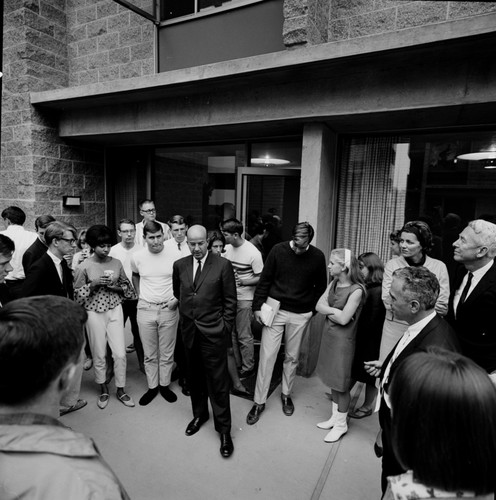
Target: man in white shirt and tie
149,214
177,247
473,300
413,292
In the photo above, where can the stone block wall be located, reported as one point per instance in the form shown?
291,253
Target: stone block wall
107,42
37,168
319,21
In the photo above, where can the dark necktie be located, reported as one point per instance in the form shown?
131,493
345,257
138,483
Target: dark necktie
197,274
67,279
179,246
465,290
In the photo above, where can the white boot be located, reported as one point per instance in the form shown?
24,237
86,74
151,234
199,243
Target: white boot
340,428
329,424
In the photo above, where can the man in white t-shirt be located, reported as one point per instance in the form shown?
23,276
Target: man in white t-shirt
124,251
149,213
157,312
247,264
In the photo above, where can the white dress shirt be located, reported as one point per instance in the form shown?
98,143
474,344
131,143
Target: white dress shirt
477,276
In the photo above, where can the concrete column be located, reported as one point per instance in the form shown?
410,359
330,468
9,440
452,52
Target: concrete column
318,201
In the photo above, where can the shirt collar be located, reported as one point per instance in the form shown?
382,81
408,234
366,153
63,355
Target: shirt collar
56,259
291,244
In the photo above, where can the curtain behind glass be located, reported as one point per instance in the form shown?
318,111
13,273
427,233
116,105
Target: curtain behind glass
372,194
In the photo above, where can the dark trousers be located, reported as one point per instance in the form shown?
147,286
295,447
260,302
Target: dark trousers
209,379
390,465
129,308
180,356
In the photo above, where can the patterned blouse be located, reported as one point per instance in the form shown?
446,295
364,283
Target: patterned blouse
405,487
102,299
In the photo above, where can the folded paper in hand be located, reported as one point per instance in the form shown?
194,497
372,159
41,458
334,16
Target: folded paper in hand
269,310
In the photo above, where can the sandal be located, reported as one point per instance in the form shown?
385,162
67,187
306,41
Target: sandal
361,413
103,400
125,399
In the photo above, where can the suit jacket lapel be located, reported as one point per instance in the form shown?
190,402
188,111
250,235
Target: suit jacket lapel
486,282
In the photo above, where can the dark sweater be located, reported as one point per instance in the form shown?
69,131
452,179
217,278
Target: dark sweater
297,281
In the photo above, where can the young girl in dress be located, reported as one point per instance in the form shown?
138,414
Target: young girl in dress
341,303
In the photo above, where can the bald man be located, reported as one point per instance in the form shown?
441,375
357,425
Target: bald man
205,286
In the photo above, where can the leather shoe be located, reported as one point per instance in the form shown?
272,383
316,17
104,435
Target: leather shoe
194,425
255,412
226,445
287,405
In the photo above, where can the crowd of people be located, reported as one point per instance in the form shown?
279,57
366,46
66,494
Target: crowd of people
426,353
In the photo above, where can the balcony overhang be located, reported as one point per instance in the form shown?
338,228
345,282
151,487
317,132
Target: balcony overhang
416,77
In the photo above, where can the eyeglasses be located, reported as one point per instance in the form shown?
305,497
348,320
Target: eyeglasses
149,211
71,241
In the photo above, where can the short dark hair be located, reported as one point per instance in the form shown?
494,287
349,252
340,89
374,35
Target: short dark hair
395,235
374,265
215,236
42,221
7,246
232,226
125,221
15,215
98,234
38,337
419,284
443,415
422,231
142,202
304,227
57,229
152,226
177,219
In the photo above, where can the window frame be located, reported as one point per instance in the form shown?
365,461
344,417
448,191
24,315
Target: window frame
233,4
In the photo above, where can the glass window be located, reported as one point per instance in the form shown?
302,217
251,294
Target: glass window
172,9
197,182
387,181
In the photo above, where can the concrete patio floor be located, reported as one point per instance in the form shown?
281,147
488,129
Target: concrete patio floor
280,457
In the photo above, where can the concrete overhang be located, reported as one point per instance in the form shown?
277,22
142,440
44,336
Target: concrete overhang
415,77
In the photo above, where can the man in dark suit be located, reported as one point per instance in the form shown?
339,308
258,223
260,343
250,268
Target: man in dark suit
39,247
7,248
414,291
473,299
205,286
50,274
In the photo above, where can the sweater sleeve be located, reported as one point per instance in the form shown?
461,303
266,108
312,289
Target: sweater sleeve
266,278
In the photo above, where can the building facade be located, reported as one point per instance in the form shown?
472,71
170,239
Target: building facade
352,115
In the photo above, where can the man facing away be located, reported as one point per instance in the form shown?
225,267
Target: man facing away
295,274
157,312
413,292
149,214
14,218
247,264
41,340
39,247
7,248
123,251
473,300
205,287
